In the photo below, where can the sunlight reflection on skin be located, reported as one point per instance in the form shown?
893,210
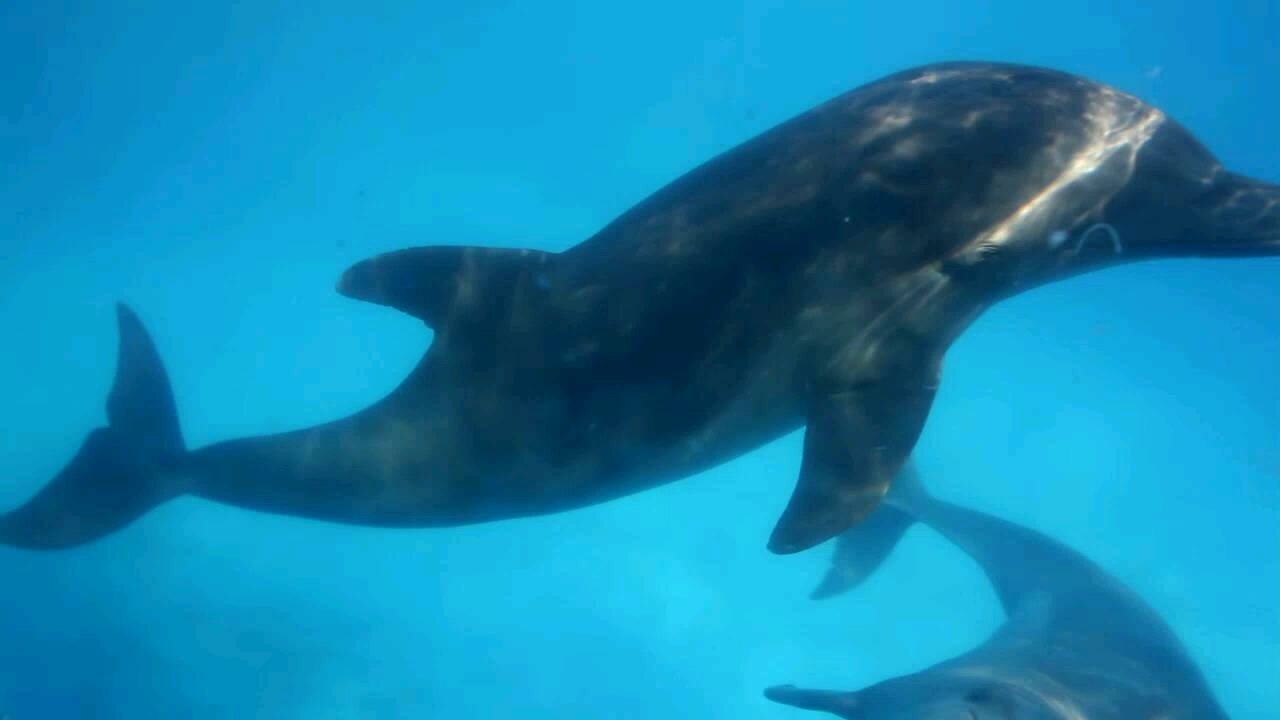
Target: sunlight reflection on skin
1113,133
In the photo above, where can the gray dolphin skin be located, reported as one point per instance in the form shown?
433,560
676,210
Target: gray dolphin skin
1077,643
813,276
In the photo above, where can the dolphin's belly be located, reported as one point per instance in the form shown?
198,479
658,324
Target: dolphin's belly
664,412
619,436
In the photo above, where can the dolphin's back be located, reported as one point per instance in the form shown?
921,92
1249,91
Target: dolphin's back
1025,566
912,167
1093,632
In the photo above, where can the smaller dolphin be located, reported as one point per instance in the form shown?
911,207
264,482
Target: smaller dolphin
1078,644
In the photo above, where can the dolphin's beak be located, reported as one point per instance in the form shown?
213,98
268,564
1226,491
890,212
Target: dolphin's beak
1241,219
1228,216
843,704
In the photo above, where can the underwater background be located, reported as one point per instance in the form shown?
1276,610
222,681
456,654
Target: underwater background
217,165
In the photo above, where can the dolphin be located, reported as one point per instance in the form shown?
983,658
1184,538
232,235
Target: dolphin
1077,643
813,276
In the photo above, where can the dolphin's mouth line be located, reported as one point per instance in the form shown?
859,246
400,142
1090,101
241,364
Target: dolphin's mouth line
1106,229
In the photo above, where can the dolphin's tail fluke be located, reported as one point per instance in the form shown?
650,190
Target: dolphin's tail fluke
864,547
122,470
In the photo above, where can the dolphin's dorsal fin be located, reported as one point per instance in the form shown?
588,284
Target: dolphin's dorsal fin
440,282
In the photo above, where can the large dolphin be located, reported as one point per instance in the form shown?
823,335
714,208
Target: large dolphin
814,275
1077,645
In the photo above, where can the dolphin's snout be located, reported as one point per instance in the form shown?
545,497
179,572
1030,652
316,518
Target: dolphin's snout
1244,219
842,704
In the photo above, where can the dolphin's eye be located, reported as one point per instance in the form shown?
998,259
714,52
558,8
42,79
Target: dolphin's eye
980,696
988,703
988,251
984,254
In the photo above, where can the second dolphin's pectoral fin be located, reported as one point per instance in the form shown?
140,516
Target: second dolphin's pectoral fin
855,442
440,283
861,549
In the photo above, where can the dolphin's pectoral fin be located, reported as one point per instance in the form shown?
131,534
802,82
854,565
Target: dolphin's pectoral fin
439,283
862,549
855,442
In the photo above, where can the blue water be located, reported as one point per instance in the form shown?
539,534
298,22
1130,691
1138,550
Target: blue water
218,165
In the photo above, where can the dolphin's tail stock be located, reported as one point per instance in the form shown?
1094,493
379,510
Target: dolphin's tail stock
864,547
122,470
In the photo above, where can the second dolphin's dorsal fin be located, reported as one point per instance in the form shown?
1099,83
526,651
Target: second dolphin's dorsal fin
440,282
